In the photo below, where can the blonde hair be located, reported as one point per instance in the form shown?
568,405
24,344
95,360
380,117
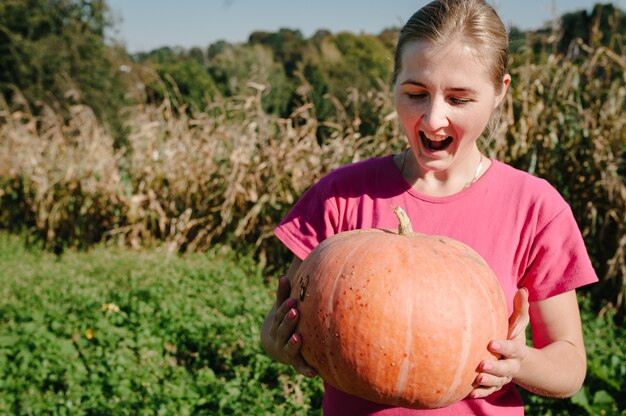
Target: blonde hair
473,21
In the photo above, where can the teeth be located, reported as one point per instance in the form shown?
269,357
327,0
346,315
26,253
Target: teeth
435,138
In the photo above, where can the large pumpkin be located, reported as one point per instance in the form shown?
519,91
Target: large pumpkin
398,317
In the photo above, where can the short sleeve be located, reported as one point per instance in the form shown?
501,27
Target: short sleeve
558,259
311,220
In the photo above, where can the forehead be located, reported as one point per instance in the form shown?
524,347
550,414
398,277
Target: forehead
452,63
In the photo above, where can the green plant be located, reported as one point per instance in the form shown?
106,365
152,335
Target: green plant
604,390
122,333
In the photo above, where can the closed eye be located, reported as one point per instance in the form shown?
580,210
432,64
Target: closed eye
416,96
459,101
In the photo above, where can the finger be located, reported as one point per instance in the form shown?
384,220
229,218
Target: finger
480,392
508,349
292,354
490,380
283,290
280,315
519,318
503,369
282,304
288,325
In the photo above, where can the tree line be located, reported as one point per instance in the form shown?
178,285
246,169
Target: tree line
56,52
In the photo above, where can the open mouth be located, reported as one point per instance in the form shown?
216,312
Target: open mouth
435,145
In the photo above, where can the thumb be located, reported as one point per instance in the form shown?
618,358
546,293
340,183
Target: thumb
283,291
519,318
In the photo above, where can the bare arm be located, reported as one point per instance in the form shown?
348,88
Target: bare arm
278,336
556,364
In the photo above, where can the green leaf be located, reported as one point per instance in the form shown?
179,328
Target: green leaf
602,397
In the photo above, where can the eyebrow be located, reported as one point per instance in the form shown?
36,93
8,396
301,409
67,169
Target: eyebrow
455,89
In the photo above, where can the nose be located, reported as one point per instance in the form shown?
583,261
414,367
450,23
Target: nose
435,115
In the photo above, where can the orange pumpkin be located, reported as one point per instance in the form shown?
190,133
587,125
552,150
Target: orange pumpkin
398,317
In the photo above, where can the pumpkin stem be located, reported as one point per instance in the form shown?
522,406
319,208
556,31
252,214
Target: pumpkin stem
404,226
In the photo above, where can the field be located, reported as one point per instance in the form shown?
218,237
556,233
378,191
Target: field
119,333
229,173
113,331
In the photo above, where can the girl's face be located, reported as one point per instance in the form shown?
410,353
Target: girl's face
444,98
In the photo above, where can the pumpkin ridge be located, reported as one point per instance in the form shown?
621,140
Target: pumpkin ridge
462,357
492,303
403,372
447,274
329,310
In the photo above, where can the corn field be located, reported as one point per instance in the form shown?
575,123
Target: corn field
229,173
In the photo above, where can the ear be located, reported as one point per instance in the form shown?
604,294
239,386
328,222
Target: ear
506,81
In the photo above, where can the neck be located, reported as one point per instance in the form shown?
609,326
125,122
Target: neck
477,173
442,183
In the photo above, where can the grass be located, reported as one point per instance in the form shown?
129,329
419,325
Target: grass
119,332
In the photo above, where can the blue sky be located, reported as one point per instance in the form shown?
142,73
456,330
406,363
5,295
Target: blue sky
143,25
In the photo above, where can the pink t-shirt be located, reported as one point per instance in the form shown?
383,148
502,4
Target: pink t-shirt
517,222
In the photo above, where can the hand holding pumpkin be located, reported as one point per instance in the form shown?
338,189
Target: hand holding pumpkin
280,339
496,374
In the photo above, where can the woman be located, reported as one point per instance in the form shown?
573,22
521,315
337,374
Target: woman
450,78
